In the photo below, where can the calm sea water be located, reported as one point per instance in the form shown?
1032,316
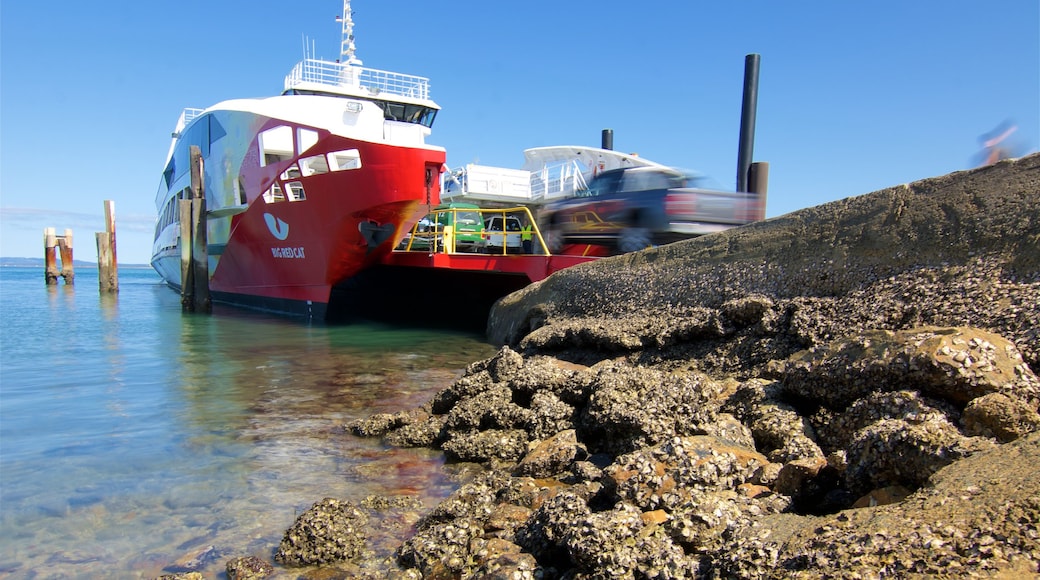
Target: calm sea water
136,439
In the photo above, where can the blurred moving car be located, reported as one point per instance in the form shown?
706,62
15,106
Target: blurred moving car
636,207
502,234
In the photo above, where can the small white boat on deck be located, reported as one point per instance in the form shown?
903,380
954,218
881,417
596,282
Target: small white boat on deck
548,174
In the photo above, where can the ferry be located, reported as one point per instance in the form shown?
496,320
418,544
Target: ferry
305,189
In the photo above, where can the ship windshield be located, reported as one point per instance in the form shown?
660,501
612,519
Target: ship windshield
408,113
392,111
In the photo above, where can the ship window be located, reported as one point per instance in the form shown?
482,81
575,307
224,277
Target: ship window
292,173
314,165
168,174
408,113
346,159
274,194
393,111
305,139
216,130
240,192
295,189
276,144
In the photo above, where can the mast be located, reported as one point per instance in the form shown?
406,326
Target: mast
347,48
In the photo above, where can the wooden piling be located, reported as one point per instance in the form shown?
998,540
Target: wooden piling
65,250
758,177
758,182
187,269
195,295
50,257
108,268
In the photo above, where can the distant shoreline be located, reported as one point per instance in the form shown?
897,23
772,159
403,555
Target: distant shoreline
38,263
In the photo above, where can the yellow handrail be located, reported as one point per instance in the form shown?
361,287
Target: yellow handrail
441,238
511,212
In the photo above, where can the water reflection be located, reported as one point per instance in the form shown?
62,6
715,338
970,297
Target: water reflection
108,303
150,436
61,296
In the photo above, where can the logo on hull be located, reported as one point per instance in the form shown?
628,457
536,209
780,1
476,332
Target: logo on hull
277,226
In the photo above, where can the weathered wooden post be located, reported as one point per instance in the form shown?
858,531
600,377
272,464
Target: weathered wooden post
758,183
50,258
65,250
194,258
187,270
108,269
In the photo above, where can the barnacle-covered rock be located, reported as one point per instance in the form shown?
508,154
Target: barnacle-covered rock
481,446
551,456
836,429
545,374
702,521
997,415
248,568
475,381
961,364
632,332
619,544
441,550
952,364
728,428
545,532
426,433
498,559
491,409
633,407
549,415
777,427
474,500
330,531
664,475
505,365
896,452
750,310
977,518
920,309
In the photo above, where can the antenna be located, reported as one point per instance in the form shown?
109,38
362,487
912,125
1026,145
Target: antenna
347,48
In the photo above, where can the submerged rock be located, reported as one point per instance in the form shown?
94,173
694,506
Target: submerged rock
248,568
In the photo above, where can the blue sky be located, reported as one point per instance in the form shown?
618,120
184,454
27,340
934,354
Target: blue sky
854,96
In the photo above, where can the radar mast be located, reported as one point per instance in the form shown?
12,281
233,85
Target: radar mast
347,48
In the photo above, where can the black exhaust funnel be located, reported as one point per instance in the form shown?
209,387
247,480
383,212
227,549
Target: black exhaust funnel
746,148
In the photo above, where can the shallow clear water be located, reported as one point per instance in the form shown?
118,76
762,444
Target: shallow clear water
135,439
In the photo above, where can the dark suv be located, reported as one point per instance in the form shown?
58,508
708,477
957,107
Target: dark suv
635,207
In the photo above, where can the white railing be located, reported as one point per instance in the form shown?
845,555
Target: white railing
337,74
480,182
187,116
557,180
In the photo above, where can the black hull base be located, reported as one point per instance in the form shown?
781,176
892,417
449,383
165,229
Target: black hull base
426,297
281,306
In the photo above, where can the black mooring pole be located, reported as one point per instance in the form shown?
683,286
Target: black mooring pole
607,140
746,148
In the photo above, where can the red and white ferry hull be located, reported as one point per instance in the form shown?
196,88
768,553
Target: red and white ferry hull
297,202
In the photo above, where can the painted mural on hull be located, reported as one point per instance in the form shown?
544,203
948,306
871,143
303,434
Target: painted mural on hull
305,189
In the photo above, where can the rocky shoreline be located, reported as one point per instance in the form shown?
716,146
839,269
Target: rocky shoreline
846,391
